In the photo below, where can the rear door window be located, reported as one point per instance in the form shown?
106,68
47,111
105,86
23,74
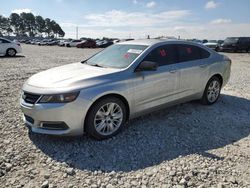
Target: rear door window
163,55
188,52
191,53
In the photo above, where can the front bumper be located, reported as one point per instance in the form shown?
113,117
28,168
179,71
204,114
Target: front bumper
71,115
18,49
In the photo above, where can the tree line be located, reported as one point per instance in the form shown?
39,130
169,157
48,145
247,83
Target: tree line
26,24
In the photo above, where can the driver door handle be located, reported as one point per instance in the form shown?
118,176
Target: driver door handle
173,71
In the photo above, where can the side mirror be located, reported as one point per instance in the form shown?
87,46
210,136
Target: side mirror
147,66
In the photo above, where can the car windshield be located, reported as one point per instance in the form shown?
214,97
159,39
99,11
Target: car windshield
116,56
231,40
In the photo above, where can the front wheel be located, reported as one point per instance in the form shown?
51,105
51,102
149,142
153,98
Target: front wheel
212,91
106,118
11,52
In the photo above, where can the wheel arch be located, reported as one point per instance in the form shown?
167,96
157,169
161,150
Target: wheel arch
119,96
219,76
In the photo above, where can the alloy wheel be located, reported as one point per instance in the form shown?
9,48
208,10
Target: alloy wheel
108,119
11,52
213,91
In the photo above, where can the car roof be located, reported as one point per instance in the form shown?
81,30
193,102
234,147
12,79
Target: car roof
151,42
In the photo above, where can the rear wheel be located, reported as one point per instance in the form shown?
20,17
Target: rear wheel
212,91
106,118
11,52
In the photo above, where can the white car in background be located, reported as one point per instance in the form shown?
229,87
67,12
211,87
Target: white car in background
213,44
9,48
73,43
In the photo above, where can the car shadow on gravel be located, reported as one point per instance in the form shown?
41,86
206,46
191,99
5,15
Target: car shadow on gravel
9,57
152,139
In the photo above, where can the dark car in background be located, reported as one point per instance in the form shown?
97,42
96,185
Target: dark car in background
236,44
86,44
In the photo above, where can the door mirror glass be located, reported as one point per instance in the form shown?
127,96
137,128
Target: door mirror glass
147,66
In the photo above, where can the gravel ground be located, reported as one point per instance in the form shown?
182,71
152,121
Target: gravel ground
189,145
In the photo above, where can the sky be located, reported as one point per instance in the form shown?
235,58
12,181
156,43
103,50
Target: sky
216,19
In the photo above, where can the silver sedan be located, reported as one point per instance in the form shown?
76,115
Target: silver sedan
99,95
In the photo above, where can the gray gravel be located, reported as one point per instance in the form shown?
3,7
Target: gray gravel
189,145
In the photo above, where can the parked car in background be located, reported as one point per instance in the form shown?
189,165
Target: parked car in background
196,41
23,41
213,44
104,44
28,42
236,44
35,41
52,42
220,42
86,44
9,48
116,41
43,42
66,42
72,43
100,94
61,42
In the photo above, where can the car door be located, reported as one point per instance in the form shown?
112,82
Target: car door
193,67
4,45
1,46
154,88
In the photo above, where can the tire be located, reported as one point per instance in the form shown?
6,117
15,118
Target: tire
99,123
11,52
212,92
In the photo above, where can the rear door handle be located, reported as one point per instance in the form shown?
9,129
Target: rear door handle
173,71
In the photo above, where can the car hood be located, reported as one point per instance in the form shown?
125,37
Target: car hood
67,78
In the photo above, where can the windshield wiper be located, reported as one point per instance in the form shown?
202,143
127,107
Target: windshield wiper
96,65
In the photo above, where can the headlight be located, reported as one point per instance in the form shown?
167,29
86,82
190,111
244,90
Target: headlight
59,98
